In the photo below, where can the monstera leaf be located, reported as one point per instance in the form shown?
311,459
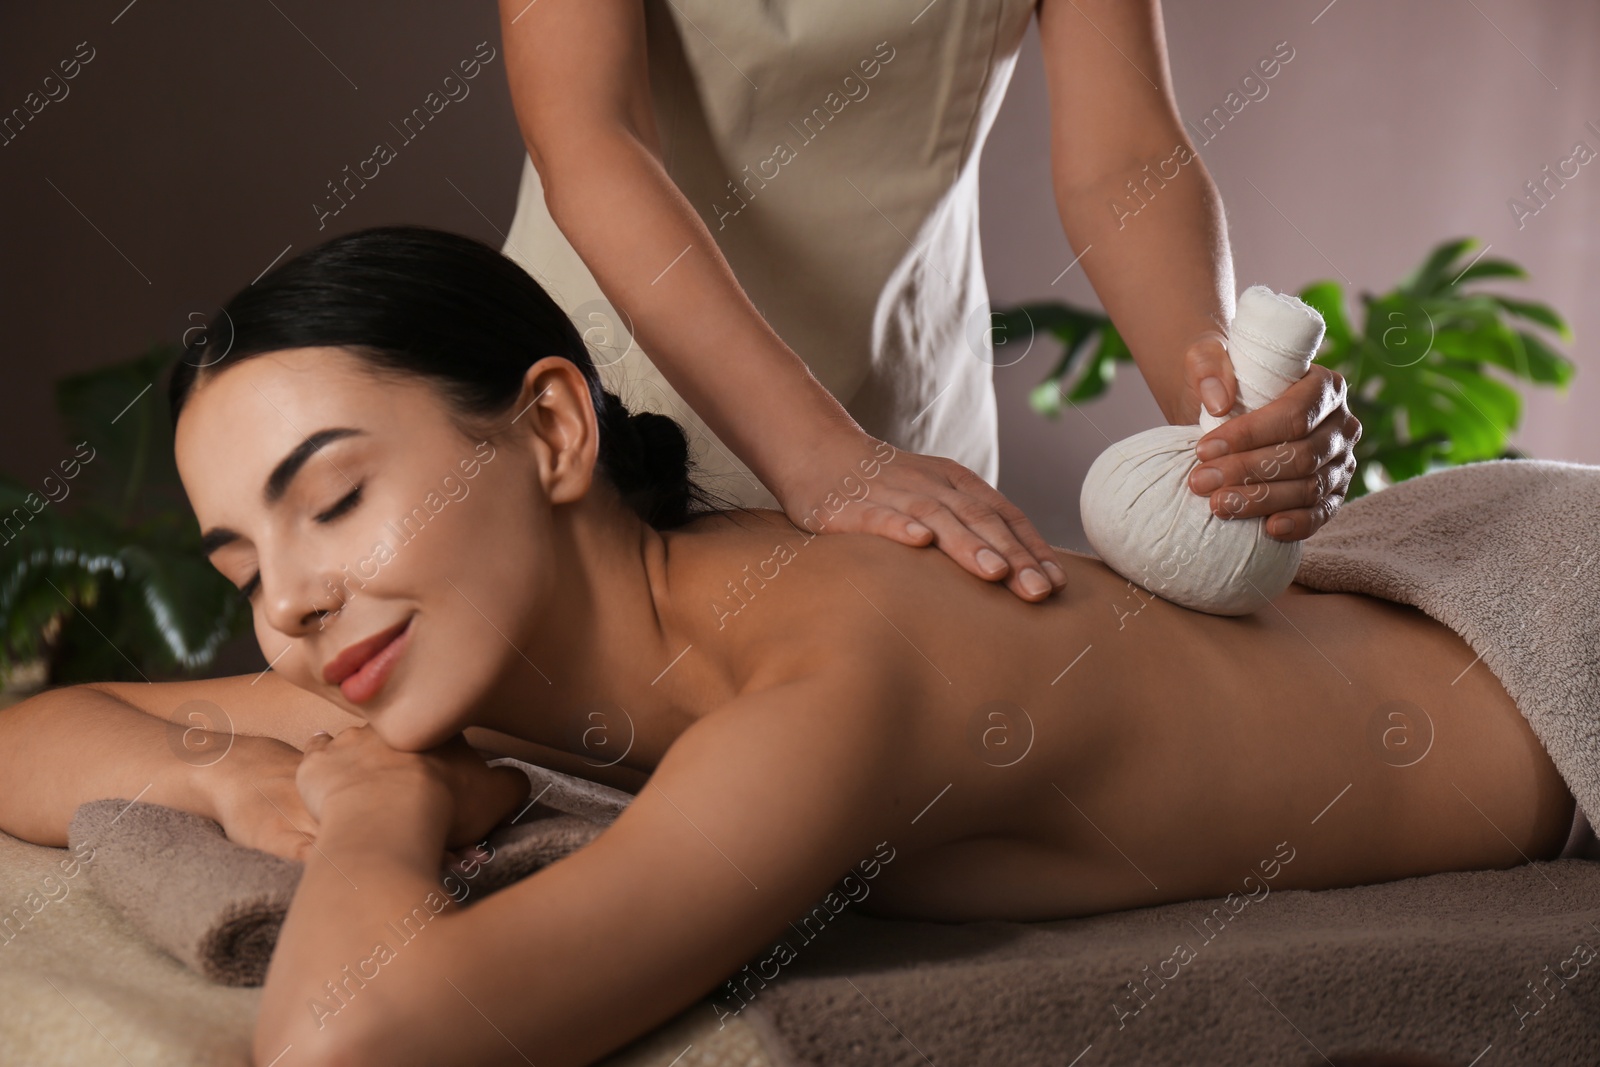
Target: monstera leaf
101,575
1429,370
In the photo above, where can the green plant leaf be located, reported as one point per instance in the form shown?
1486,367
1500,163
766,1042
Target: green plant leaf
192,606
1101,370
1090,348
1328,298
1473,412
100,571
1491,268
1543,314
1094,381
1498,403
1424,281
1045,398
1400,330
1413,458
1545,364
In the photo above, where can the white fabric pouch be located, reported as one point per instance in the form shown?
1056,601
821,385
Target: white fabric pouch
1145,522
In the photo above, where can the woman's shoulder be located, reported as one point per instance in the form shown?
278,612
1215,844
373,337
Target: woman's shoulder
759,587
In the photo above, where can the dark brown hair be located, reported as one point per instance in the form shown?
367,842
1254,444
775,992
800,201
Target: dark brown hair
419,301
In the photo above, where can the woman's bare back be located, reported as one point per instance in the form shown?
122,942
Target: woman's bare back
1107,749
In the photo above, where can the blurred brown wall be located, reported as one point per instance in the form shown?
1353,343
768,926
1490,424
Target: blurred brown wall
188,154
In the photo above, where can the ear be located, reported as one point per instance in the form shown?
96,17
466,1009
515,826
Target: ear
554,417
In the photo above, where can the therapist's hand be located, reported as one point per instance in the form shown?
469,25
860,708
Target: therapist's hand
1291,459
858,484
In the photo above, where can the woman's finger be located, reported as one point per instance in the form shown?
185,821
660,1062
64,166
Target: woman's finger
885,521
956,535
1291,417
1024,574
1265,498
1303,522
919,499
1282,461
1318,496
1208,372
462,860
287,829
1018,541
888,521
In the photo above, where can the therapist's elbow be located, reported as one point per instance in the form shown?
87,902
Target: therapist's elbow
567,160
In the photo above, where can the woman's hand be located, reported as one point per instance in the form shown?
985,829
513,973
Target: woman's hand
451,784
858,484
256,800
1291,459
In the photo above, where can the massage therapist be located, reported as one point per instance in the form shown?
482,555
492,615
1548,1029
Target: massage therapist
779,203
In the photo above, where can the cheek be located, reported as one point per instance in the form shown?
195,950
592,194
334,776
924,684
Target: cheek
480,549
483,576
475,576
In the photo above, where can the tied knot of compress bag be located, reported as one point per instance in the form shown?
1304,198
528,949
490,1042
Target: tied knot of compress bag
1145,522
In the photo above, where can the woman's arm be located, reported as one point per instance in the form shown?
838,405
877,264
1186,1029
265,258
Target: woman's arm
753,814
189,745
1161,265
580,86
225,748
1137,199
65,747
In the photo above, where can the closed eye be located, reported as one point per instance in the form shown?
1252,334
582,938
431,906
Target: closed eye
346,502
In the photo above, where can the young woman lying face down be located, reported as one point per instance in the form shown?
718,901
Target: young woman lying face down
406,461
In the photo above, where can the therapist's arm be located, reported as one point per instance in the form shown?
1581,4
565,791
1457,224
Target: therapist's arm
580,87
1158,258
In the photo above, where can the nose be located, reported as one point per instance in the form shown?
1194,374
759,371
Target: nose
298,598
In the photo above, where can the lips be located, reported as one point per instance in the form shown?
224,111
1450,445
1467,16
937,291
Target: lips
360,670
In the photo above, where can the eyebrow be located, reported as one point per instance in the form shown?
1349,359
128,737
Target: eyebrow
278,481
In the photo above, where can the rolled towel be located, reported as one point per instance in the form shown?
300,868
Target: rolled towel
1145,522
217,906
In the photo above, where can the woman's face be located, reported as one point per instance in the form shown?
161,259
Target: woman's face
390,542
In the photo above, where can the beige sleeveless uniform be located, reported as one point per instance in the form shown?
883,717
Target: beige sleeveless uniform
831,147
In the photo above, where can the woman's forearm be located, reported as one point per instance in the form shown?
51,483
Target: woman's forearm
655,260
67,746
370,891
1157,254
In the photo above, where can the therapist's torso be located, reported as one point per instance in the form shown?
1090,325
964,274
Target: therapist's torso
831,147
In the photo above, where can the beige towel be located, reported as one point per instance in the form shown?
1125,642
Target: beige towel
217,906
1453,967
1504,553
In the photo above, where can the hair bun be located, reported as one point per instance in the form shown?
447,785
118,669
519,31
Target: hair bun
664,448
649,463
